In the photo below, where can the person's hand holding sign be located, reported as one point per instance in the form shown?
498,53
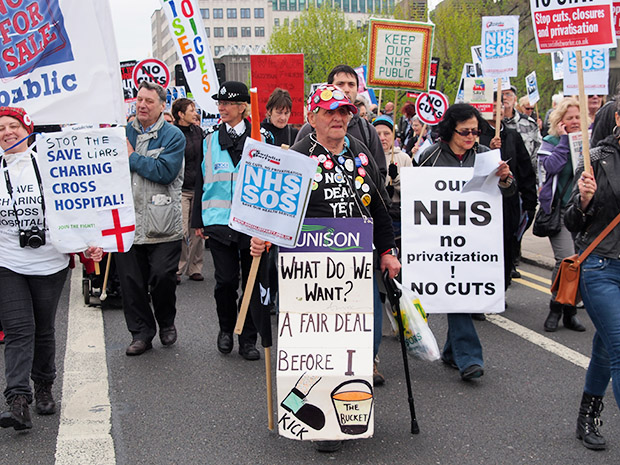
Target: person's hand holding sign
389,262
130,148
257,246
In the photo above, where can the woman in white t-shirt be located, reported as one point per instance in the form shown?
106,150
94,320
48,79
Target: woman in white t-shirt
32,276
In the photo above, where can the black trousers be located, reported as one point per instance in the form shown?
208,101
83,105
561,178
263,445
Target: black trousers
228,261
149,267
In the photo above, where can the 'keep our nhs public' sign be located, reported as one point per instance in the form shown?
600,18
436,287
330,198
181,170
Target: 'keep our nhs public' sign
32,34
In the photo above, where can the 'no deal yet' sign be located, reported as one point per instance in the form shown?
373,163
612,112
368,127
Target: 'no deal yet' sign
572,24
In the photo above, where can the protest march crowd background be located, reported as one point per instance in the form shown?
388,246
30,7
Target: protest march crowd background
125,161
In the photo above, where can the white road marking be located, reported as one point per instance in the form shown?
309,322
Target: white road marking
84,435
548,344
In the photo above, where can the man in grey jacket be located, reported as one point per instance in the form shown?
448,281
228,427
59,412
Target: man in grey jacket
156,152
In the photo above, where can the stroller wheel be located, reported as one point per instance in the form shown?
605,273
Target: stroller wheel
86,291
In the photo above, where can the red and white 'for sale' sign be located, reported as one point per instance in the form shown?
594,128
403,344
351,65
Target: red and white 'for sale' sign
572,24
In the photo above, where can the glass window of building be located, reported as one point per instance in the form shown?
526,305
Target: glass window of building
232,32
218,32
302,5
217,50
286,21
276,21
245,13
207,32
259,12
362,6
204,12
218,13
259,32
283,5
296,22
292,5
231,13
246,32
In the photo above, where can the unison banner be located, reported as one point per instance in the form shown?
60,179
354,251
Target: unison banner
87,189
188,35
59,61
325,332
452,242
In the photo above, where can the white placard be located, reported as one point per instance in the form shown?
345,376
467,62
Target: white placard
595,72
500,45
87,189
452,253
479,94
59,61
325,332
557,65
271,192
531,85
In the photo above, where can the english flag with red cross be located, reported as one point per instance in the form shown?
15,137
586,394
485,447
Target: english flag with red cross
118,228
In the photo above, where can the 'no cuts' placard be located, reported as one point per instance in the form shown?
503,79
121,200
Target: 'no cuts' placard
325,332
452,242
87,189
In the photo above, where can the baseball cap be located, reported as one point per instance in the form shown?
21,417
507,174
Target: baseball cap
329,97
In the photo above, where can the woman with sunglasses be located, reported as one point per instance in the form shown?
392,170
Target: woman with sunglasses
458,147
554,156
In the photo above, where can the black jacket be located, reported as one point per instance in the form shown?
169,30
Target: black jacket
278,136
194,136
383,233
605,204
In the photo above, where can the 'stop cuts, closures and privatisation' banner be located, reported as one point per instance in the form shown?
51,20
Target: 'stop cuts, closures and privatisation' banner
572,24
399,54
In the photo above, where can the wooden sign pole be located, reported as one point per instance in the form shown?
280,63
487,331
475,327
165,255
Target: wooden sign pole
583,110
498,107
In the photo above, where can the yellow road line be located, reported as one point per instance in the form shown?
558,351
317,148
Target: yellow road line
535,277
538,287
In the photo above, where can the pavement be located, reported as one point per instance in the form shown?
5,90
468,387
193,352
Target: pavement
537,251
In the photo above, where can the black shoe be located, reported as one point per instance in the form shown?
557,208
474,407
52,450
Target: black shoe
570,319
138,347
18,415
514,274
479,317
197,277
555,313
472,372
449,362
377,377
327,446
44,402
249,351
588,422
178,279
225,342
168,336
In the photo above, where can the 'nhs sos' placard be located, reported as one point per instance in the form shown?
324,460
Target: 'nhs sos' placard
572,24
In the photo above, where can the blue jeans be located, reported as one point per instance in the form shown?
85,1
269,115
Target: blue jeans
28,314
600,290
462,344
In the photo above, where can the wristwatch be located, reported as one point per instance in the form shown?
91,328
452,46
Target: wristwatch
393,251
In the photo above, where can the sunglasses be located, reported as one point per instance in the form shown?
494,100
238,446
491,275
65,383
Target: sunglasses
528,108
467,132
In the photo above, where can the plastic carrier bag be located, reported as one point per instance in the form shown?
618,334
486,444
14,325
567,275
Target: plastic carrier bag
419,339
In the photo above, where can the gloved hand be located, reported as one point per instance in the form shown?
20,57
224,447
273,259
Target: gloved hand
390,190
392,171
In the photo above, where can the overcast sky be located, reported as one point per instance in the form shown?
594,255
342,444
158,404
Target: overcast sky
132,27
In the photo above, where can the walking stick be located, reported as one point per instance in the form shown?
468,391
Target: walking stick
104,293
394,294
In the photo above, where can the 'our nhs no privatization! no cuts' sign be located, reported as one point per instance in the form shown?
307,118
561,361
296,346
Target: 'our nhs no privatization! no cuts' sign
271,193
568,24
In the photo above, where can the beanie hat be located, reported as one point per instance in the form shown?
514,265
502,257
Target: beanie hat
20,115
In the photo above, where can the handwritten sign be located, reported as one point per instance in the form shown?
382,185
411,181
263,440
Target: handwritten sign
87,189
572,25
500,44
325,332
399,54
271,193
59,61
285,71
192,46
452,241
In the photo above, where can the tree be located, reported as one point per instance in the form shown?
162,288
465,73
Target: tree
325,38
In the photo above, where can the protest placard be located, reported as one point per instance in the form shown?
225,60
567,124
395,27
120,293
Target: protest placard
479,94
595,72
399,54
559,24
325,332
87,189
285,71
616,7
531,85
575,143
430,107
500,45
192,46
59,61
151,70
557,65
362,90
432,84
130,91
469,71
452,242
271,192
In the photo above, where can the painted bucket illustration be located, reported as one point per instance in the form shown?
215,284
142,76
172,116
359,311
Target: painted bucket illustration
353,405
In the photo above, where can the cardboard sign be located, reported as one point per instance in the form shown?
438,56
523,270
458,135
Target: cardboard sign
285,71
469,71
325,332
130,91
271,193
151,70
59,61
595,72
399,54
432,84
452,242
192,46
500,45
531,85
87,189
616,6
559,24
557,65
431,106
479,94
